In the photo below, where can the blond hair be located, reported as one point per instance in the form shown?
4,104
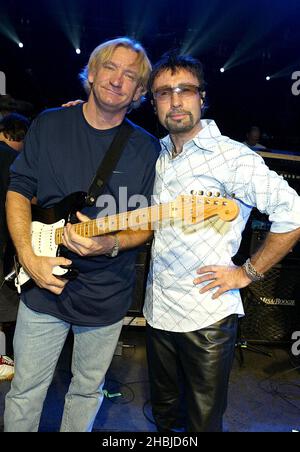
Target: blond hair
103,53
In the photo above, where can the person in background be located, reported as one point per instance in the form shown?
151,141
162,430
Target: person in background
10,105
252,139
192,298
13,128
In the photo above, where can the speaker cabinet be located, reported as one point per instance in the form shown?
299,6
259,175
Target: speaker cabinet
272,306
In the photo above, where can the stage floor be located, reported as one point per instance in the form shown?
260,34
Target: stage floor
264,394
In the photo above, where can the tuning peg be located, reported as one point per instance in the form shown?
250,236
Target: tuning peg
209,194
218,194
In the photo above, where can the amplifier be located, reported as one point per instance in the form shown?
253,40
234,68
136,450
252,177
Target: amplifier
258,224
288,166
272,306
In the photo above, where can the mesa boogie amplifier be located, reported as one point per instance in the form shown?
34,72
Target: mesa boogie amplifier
272,306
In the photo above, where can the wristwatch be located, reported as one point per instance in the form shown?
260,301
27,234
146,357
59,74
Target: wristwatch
115,249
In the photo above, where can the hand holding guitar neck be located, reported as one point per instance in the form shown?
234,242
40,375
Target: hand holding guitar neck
85,246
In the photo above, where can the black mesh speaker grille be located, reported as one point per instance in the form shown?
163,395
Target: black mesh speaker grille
272,306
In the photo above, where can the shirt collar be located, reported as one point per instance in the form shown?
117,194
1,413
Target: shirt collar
204,140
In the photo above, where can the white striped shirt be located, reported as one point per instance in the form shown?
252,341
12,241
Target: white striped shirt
213,163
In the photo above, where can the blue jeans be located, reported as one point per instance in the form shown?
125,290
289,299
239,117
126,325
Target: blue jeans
38,341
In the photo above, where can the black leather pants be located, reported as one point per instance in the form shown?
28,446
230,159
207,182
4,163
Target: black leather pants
203,358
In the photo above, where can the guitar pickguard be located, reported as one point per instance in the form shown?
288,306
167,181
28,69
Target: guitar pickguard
43,244
43,238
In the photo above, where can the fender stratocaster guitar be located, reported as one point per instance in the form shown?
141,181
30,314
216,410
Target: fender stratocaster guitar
48,226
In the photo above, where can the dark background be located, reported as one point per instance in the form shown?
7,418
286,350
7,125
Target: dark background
255,38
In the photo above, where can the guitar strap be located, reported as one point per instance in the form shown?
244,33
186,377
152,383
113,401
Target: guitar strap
109,162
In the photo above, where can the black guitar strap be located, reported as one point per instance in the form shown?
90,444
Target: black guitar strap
109,162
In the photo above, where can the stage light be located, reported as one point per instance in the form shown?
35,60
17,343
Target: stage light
21,45
8,29
222,69
71,22
268,78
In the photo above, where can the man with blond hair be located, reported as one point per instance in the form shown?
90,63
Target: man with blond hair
62,152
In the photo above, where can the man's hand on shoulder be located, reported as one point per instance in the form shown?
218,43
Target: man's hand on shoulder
73,103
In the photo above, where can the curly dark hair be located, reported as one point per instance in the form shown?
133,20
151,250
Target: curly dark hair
14,126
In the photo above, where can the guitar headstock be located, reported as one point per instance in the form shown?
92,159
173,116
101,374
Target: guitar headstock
192,208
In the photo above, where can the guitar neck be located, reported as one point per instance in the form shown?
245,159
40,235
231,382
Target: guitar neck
190,209
141,218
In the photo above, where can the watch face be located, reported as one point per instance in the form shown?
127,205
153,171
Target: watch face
114,252
115,249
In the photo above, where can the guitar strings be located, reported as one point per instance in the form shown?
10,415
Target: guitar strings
108,224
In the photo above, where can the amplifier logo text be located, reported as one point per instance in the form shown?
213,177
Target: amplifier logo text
278,301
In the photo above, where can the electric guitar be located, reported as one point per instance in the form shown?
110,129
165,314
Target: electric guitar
48,225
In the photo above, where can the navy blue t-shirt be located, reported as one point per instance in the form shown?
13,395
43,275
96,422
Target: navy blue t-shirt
61,155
